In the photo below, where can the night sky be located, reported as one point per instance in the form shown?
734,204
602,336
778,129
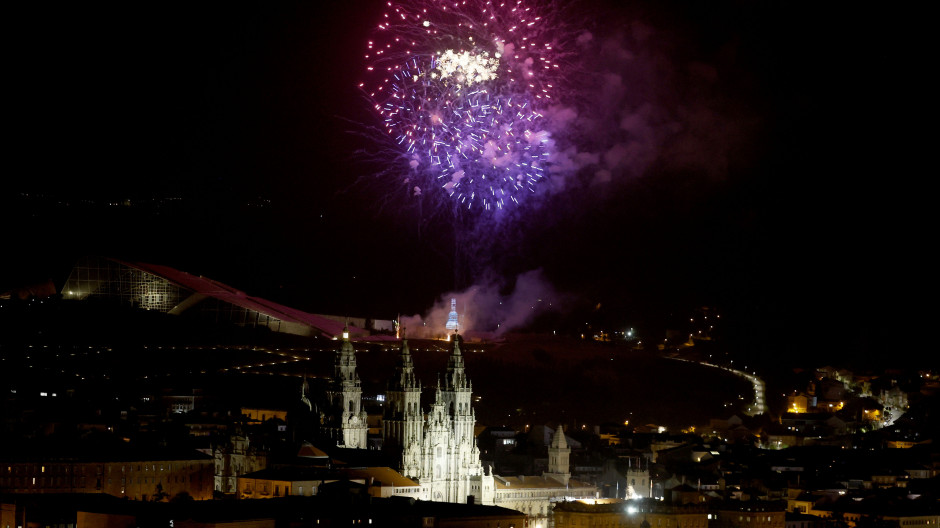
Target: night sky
750,156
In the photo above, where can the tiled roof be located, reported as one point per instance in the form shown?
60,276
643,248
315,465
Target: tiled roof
295,474
523,482
312,451
382,476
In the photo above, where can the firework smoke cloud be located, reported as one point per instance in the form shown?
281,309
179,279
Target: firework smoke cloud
485,311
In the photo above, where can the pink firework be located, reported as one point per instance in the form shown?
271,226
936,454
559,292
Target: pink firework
461,89
522,38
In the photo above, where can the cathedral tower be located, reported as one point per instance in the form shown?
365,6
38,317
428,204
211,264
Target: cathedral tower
558,454
403,423
456,394
346,396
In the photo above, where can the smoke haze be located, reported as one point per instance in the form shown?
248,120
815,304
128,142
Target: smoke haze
483,310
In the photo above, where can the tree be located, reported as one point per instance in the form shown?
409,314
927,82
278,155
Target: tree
160,494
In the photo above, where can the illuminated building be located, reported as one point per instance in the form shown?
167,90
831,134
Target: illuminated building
271,483
440,460
136,476
558,455
386,482
534,495
167,290
236,458
348,422
626,477
452,323
800,403
259,415
750,514
439,451
894,400
638,513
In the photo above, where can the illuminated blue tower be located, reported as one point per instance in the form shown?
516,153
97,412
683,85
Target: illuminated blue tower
452,316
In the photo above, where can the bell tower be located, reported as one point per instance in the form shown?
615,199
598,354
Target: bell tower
403,420
558,454
347,395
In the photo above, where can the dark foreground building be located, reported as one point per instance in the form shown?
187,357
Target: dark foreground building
348,505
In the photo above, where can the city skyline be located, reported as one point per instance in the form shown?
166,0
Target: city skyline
526,263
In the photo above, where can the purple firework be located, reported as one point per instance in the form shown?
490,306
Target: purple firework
481,148
461,89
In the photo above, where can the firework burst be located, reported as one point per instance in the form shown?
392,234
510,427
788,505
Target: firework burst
462,88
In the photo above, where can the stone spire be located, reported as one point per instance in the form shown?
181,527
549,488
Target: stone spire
345,367
404,370
456,377
558,439
558,455
402,423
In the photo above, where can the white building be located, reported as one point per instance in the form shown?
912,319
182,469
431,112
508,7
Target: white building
440,453
534,495
346,397
439,449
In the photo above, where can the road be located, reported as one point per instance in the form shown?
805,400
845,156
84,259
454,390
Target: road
759,404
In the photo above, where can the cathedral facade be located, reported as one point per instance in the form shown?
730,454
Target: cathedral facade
439,448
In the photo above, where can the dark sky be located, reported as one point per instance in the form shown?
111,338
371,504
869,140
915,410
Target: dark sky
752,156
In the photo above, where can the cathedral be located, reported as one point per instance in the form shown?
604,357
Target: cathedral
437,446
438,450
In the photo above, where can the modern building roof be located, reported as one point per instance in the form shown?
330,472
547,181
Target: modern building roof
102,277
223,292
